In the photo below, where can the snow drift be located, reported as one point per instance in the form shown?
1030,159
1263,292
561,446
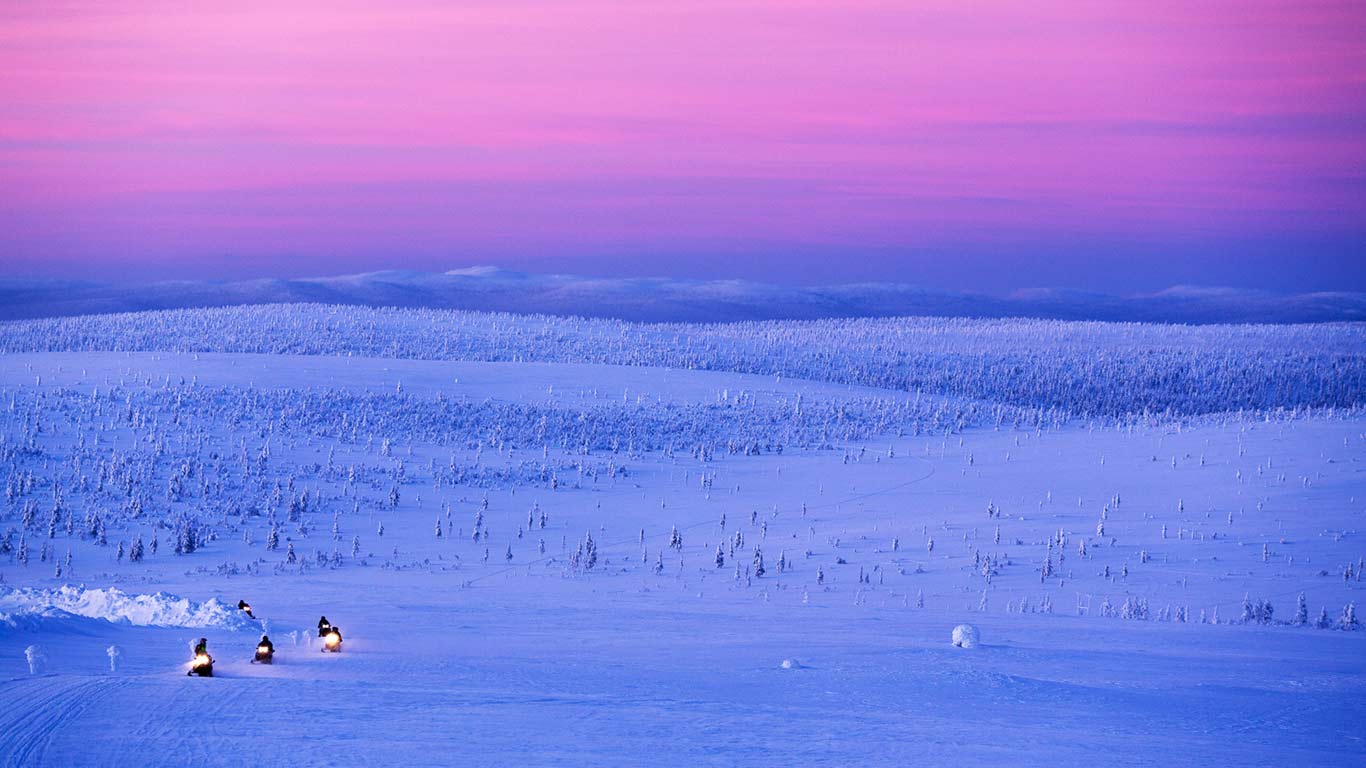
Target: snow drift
19,606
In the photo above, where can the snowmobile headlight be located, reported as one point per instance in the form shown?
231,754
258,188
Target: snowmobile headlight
332,639
262,649
202,660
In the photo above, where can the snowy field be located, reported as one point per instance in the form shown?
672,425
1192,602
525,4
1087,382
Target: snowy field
567,542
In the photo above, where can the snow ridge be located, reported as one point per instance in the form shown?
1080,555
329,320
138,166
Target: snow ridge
161,609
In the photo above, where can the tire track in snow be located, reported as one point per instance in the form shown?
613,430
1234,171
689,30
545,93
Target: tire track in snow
194,742
42,707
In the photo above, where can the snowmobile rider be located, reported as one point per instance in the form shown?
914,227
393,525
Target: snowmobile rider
242,606
324,626
332,641
201,649
267,644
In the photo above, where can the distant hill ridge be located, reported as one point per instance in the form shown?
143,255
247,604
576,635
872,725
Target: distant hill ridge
673,299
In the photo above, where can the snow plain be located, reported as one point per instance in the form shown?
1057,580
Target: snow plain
1134,652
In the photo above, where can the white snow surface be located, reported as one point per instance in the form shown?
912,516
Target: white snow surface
1138,579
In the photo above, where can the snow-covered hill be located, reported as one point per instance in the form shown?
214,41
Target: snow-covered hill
670,299
1055,369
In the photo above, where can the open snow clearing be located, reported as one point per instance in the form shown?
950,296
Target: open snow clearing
556,563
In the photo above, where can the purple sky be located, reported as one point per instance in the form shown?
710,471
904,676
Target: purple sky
1115,146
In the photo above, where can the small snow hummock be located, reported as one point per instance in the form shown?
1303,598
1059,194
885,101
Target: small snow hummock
791,664
965,636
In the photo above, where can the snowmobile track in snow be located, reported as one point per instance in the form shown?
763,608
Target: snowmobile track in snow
47,704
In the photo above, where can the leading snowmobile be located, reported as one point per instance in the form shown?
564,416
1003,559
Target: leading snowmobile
244,608
202,663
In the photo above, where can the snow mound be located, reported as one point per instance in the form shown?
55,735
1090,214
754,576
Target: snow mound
965,636
157,610
791,664
21,622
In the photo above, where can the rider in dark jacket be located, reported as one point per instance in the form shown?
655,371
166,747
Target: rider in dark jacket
201,648
242,606
323,626
267,644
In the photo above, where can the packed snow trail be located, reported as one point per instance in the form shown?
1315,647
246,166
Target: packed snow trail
446,679
38,709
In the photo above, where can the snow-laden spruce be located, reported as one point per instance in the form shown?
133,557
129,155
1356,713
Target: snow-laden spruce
1087,369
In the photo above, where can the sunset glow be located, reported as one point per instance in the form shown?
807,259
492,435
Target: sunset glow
954,143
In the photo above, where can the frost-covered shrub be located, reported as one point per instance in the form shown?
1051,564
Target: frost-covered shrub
965,636
37,661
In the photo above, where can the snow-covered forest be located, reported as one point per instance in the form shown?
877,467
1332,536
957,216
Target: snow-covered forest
748,516
1078,368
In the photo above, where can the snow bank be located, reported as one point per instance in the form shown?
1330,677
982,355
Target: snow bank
23,622
965,636
157,610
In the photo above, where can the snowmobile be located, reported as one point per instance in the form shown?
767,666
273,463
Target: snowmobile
332,640
245,608
201,664
265,654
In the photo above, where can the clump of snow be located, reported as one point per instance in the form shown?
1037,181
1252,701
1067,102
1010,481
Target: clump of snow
791,664
965,636
156,610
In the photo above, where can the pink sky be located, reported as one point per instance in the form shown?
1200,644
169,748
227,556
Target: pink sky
1096,144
